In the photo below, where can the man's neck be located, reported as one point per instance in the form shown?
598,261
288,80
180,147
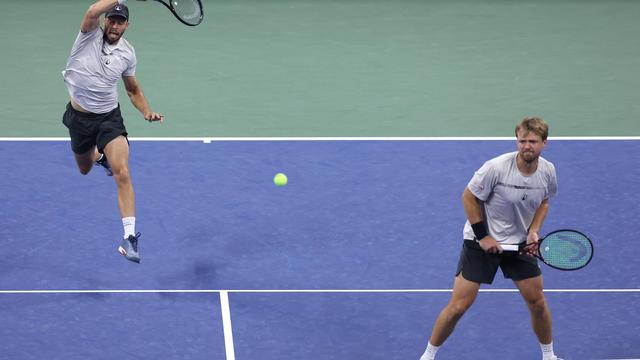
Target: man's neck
526,167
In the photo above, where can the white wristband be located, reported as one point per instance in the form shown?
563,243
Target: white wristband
121,1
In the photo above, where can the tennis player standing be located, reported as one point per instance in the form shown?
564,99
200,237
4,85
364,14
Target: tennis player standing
506,202
99,57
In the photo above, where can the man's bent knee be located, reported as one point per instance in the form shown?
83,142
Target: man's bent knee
84,165
538,304
121,175
458,308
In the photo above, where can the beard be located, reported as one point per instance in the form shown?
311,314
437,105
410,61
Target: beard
529,157
110,38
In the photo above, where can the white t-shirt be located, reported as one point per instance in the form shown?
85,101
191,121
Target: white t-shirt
93,70
510,199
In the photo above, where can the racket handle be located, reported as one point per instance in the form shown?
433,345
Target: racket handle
510,247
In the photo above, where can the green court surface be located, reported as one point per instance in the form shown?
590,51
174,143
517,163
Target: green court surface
345,68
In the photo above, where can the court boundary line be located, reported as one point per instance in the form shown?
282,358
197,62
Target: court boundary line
285,291
227,329
329,138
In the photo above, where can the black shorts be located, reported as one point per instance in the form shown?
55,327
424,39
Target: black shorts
478,266
88,129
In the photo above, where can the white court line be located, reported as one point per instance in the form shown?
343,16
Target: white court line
329,138
226,325
202,291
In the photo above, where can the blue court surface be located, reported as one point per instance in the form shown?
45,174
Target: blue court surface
353,259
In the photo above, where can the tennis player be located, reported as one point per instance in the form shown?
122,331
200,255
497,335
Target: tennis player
99,57
506,202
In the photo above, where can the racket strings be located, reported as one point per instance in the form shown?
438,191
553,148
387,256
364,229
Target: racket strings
188,10
566,250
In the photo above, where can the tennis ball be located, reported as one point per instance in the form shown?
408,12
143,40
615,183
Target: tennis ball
280,179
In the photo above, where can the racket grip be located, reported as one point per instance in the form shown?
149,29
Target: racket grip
510,247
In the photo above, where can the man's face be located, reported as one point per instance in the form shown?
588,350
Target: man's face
114,28
530,146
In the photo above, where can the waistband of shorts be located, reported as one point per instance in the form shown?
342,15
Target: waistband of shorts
90,114
471,243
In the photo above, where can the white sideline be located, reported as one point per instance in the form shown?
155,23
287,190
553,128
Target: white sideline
335,138
226,325
276,291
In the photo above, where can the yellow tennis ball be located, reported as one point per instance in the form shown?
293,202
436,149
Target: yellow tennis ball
280,179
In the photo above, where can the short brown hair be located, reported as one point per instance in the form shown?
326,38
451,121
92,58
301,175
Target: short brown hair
535,125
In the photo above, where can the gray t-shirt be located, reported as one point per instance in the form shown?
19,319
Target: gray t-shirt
94,68
509,198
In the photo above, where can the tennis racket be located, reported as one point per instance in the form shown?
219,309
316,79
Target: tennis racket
561,249
189,12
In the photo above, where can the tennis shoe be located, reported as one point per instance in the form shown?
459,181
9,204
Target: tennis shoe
105,165
129,248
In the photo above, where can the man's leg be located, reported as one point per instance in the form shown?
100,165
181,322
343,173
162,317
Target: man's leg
531,291
85,160
463,296
117,151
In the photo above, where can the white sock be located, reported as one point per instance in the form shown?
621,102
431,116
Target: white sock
129,224
547,351
430,353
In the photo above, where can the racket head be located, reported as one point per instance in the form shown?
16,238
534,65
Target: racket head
566,250
189,12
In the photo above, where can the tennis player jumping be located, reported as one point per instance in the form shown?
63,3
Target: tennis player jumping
99,57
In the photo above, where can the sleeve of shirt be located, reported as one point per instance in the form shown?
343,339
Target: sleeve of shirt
85,39
553,182
483,181
97,32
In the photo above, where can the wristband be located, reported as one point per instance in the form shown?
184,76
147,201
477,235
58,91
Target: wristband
121,1
479,230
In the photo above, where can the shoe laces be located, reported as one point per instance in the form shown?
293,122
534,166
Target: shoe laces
134,241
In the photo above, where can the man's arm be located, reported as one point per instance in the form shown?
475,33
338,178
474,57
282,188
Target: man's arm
139,100
536,225
471,206
91,18
473,210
